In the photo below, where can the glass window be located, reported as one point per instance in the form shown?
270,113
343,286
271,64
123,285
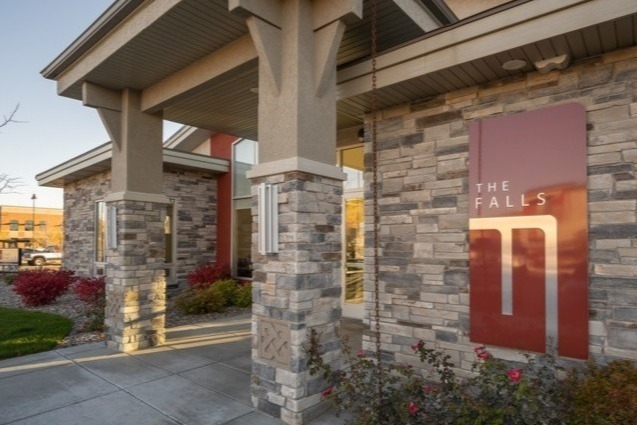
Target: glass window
170,237
43,226
13,225
243,158
169,234
28,225
100,232
243,238
352,162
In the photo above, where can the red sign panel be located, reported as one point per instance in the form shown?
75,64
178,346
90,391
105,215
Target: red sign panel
529,231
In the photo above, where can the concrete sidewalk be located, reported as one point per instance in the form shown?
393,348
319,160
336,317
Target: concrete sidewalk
201,376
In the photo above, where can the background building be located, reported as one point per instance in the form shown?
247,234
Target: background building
29,226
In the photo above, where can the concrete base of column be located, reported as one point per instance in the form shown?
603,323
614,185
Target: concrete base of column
136,286
296,290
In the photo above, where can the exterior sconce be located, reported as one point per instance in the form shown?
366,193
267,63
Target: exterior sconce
111,227
268,218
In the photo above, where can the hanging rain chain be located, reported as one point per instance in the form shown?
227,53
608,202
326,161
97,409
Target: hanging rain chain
374,107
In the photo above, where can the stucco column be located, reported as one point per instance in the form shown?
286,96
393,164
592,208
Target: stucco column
135,284
297,288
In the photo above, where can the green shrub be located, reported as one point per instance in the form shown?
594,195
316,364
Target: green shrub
228,288
603,395
243,295
202,301
9,278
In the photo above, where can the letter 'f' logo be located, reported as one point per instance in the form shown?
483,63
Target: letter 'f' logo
505,226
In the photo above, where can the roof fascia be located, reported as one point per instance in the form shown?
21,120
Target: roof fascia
108,20
94,156
100,49
104,153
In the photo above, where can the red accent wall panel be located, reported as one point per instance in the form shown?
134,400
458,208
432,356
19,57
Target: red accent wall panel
529,231
221,147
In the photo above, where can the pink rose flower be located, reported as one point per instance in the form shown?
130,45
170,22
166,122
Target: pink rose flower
361,353
413,409
418,346
428,389
327,392
515,375
481,352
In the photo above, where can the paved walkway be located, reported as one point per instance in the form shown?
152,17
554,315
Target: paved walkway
201,376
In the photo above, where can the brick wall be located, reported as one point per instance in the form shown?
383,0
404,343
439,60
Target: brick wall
423,152
195,195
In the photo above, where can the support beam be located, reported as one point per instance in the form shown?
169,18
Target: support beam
192,78
417,12
95,96
267,10
527,23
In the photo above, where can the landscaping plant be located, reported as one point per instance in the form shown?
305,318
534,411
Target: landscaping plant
603,395
211,285
243,295
42,287
205,275
92,292
201,301
499,393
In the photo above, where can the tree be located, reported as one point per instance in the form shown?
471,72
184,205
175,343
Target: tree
9,184
11,117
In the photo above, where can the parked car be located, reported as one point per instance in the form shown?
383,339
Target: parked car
43,257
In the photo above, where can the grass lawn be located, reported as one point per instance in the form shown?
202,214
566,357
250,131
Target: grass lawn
26,332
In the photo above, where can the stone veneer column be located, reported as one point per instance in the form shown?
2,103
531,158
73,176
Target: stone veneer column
299,287
135,284
296,290
136,288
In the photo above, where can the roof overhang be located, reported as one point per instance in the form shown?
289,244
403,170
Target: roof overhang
98,160
187,139
210,81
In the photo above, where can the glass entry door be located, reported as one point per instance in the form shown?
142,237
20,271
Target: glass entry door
353,244
352,163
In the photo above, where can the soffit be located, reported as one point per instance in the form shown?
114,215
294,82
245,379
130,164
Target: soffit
193,28
588,42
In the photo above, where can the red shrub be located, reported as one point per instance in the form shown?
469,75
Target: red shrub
91,290
43,286
206,275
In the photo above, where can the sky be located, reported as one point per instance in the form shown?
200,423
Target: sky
53,128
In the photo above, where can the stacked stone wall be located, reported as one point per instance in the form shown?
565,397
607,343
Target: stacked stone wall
423,163
195,195
79,221
294,290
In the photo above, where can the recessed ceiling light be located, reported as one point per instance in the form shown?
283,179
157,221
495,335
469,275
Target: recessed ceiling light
514,64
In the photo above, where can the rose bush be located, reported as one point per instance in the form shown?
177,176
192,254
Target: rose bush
499,392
